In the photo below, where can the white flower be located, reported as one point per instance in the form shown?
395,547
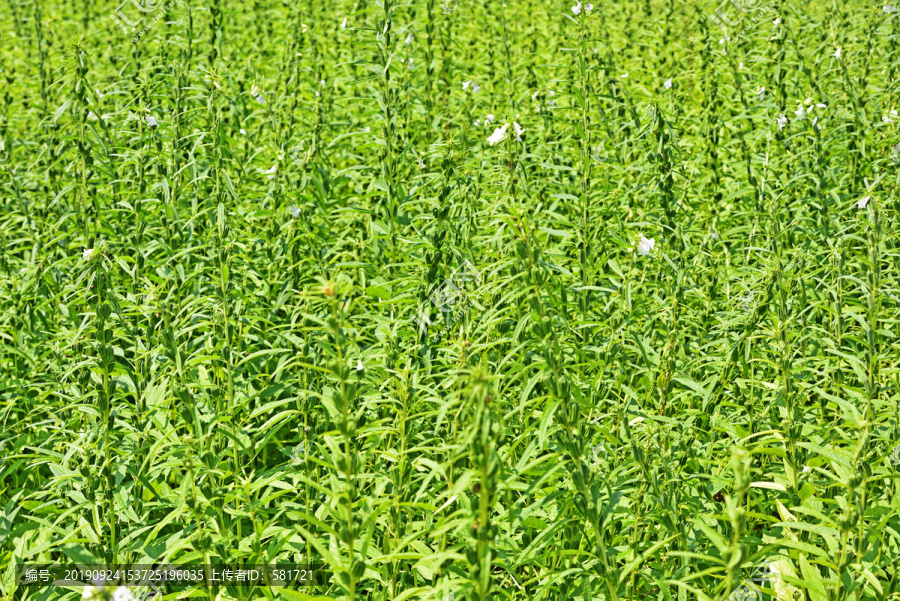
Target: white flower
466,84
781,120
344,24
368,130
477,122
88,592
88,254
122,593
295,211
741,66
151,121
668,84
409,39
862,202
806,469
624,75
588,7
498,136
800,112
577,9
410,64
816,120
645,246
535,95
837,53
475,87
317,91
891,117
761,92
243,132
271,171
359,365
489,118
888,8
519,131
776,22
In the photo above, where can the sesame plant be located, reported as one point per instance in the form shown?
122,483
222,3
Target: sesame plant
452,300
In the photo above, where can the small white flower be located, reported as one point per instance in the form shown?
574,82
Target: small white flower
891,117
466,84
344,24
800,112
122,593
816,120
668,84
535,95
645,246
243,132
88,592
316,92
519,131
409,39
588,7
498,136
888,8
271,171
781,120
368,130
806,469
837,53
761,92
489,118
151,121
421,164
577,9
88,254
477,123
475,87
359,365
741,65
862,202
295,211
410,64
776,22
624,75
722,42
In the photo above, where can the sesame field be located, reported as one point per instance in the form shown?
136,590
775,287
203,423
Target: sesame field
450,300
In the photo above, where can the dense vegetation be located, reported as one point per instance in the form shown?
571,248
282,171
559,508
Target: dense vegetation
472,300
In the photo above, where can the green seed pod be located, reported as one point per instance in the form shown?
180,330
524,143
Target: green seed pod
358,569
